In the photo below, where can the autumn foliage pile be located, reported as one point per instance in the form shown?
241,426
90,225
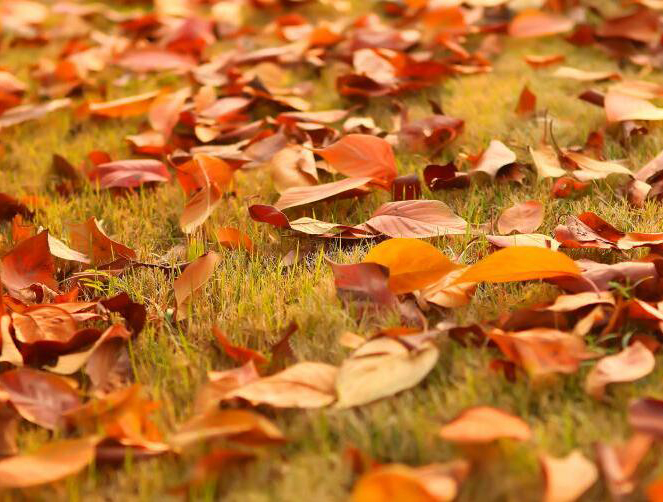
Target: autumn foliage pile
64,349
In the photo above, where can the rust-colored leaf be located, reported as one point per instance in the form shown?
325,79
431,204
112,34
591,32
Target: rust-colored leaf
89,239
194,277
361,156
632,363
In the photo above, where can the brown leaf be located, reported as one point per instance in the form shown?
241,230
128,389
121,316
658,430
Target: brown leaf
346,188
546,162
89,239
50,463
484,424
620,107
124,107
39,397
365,280
304,385
619,463
242,426
567,478
416,219
362,156
200,207
232,238
536,23
237,353
632,363
542,351
524,218
445,177
129,173
293,166
382,367
494,159
28,263
23,113
526,103
221,383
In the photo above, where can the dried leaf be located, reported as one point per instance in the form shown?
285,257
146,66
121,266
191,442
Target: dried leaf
524,218
484,424
632,363
381,367
194,277
567,478
304,385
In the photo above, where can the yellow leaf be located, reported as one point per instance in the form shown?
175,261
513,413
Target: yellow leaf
412,263
520,264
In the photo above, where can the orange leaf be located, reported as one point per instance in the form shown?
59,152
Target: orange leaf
484,424
89,239
412,264
520,264
362,155
232,238
49,463
194,277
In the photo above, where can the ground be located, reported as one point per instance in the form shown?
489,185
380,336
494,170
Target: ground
253,297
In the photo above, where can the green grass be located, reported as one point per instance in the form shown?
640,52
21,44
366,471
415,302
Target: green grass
252,298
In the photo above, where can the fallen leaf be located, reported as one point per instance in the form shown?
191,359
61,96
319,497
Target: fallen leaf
401,483
194,277
242,426
38,396
634,362
236,353
30,262
129,173
303,385
484,424
124,107
412,264
620,107
546,162
520,264
53,461
536,23
88,238
362,156
200,207
567,478
383,366
496,157
346,188
524,218
232,238
416,219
